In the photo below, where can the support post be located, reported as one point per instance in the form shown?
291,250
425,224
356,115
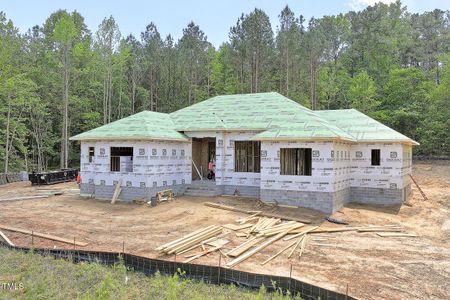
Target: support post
218,272
290,279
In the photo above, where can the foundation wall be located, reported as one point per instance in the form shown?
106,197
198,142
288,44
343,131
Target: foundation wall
127,193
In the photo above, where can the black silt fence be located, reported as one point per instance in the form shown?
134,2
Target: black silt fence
208,274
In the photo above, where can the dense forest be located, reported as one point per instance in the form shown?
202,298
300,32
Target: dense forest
60,78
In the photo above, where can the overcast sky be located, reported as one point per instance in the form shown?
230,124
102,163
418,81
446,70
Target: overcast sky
170,16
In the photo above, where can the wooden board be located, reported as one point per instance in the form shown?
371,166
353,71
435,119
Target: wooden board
397,234
257,249
25,198
117,191
218,242
237,227
380,230
45,236
304,231
263,214
279,252
244,247
2,235
201,254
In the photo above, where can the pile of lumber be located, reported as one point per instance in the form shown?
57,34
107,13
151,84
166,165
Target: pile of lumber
264,243
163,196
260,213
191,241
260,230
264,223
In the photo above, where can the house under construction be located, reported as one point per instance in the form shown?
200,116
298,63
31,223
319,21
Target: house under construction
261,145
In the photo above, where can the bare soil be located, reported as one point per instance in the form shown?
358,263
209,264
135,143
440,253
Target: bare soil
373,267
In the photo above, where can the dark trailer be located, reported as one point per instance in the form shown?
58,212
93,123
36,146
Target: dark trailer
52,177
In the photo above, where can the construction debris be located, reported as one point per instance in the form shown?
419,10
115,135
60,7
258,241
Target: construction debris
260,247
396,235
261,232
244,247
237,227
163,196
217,242
263,214
201,254
296,244
45,236
278,253
190,240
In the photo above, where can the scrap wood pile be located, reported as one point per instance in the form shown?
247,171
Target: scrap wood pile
260,231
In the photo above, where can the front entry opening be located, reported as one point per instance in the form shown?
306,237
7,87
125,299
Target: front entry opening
203,158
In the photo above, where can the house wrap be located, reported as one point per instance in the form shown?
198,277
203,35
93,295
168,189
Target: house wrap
262,145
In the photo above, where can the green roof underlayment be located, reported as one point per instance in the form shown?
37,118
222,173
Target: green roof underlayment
362,127
146,125
277,117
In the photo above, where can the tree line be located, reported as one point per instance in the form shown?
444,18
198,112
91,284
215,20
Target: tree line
59,79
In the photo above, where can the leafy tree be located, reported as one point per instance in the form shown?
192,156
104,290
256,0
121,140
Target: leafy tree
107,43
362,93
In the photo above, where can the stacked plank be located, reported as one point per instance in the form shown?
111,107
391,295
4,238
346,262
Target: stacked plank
260,213
273,230
265,243
190,241
263,223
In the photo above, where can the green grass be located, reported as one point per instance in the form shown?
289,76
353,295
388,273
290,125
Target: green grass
48,278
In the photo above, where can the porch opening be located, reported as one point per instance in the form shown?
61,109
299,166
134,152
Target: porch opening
121,159
203,158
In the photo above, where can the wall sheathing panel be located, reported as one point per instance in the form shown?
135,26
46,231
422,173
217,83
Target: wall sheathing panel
321,168
340,155
155,164
388,175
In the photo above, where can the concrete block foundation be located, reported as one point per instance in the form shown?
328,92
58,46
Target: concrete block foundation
242,190
127,193
327,202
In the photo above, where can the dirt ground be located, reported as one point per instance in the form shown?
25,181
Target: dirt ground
373,267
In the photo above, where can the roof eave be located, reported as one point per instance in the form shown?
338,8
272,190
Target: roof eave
278,139
408,141
133,138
